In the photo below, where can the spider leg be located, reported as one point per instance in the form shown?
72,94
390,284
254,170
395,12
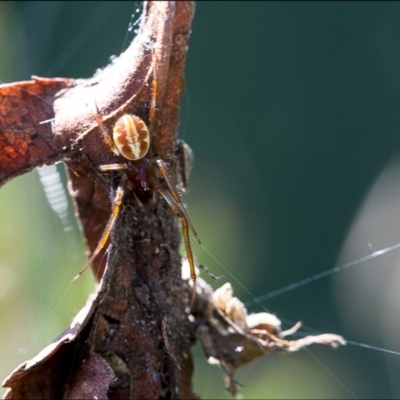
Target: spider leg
106,136
163,169
153,103
120,110
177,208
110,224
184,162
104,133
154,86
113,167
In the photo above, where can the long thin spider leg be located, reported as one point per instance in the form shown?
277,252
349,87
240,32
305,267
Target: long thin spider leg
106,136
178,210
110,224
113,167
120,110
163,169
154,86
153,104
104,133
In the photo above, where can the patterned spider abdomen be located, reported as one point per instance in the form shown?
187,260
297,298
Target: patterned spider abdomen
131,136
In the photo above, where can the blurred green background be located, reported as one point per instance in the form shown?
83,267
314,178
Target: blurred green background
292,110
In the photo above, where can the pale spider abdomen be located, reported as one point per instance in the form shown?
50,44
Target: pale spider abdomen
131,137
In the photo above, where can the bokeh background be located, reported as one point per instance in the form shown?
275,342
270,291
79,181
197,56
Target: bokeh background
292,110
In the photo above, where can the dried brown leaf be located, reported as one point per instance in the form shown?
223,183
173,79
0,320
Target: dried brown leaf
142,299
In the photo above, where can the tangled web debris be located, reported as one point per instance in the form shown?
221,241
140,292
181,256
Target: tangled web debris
231,338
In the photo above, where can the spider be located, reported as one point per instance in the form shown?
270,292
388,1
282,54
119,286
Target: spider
131,139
